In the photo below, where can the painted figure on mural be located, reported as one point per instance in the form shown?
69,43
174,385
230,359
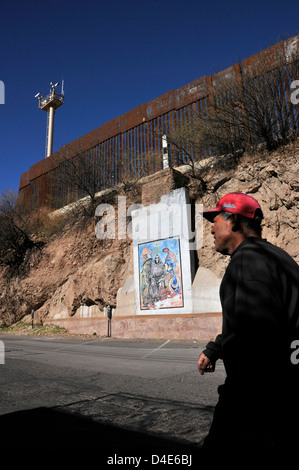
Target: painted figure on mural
157,280
172,268
145,275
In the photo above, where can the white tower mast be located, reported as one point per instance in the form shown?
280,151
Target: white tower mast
49,104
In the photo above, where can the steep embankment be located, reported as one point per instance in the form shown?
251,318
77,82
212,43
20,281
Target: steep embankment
75,269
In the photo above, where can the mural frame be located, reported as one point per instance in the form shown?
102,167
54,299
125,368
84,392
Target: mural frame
160,274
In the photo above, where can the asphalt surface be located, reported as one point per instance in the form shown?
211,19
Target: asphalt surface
129,398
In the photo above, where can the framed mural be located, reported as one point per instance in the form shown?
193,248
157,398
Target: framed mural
160,279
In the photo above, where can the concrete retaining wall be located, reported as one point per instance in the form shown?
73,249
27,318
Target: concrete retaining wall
197,327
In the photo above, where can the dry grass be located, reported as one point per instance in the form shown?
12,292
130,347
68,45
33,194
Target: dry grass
24,328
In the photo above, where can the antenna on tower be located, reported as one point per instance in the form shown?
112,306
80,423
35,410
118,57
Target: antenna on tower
62,87
49,104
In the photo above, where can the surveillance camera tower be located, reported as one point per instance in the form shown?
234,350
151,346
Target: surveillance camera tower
50,104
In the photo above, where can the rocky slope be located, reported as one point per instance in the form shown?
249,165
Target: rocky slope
75,269
272,179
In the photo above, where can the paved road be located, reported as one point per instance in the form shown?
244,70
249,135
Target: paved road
143,388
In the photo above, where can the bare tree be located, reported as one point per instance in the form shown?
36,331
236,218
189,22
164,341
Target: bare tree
77,174
132,166
80,173
15,238
252,111
242,113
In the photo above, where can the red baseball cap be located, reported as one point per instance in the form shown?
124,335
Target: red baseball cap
237,203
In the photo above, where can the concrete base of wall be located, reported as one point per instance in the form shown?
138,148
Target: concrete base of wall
198,327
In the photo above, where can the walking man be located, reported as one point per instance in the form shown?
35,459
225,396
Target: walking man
257,410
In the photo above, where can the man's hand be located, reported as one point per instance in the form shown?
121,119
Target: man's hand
204,364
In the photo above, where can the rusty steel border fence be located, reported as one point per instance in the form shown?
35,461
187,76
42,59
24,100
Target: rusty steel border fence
130,145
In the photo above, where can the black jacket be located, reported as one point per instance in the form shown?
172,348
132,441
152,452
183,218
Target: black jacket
260,304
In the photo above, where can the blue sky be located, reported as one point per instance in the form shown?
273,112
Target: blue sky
115,55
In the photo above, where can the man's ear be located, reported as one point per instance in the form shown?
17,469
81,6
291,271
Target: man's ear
235,221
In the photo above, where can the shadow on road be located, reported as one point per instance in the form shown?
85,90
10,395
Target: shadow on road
44,427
